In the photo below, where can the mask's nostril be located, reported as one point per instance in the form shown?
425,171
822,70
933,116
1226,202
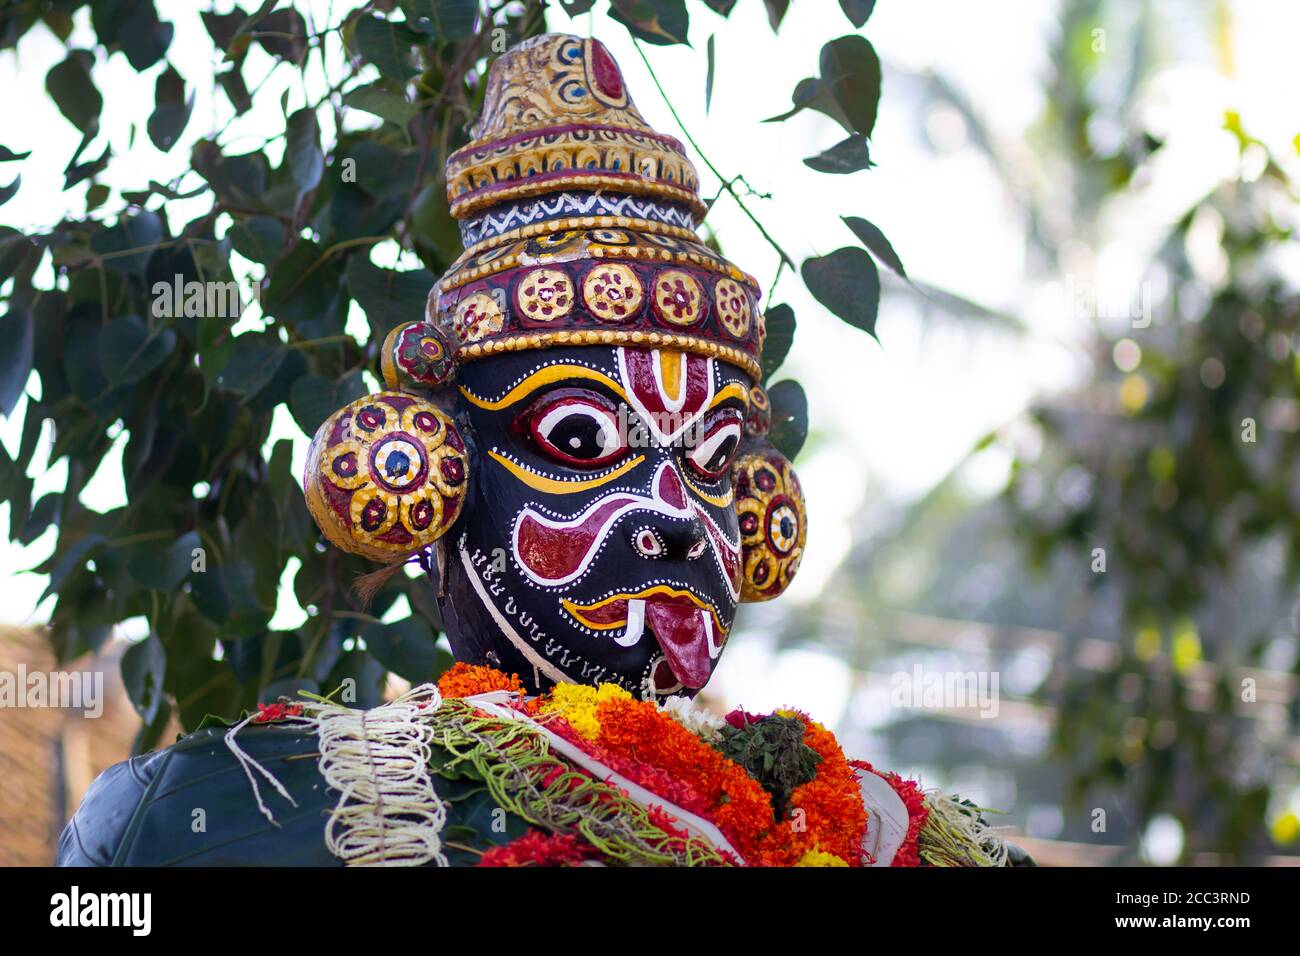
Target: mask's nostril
696,550
647,543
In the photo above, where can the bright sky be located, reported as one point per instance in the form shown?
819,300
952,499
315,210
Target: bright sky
898,414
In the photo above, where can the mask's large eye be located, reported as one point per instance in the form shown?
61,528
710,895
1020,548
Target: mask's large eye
711,455
577,429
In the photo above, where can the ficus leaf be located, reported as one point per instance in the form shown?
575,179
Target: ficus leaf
302,150
171,110
876,241
664,22
387,296
858,11
388,46
780,323
128,350
776,11
260,238
789,417
848,90
394,107
143,668
846,156
851,71
847,283
708,77
74,93
17,339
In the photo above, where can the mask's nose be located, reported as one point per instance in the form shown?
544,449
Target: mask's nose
673,540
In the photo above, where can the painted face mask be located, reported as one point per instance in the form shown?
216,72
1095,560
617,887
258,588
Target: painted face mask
605,546
574,435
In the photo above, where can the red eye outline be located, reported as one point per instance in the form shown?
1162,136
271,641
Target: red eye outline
727,423
543,416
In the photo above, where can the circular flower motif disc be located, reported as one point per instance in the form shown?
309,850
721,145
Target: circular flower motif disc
678,298
416,355
612,292
478,316
773,522
732,304
544,295
386,476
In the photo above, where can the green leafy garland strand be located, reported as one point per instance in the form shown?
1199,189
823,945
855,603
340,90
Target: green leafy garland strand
955,834
514,760
773,752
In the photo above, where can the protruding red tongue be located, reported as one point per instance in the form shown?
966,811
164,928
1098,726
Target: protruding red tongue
683,634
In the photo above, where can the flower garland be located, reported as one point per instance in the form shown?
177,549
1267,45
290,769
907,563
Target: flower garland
676,751
526,779
918,813
537,848
466,680
774,789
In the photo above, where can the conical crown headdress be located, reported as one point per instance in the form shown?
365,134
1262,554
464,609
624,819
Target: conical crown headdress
579,228
579,222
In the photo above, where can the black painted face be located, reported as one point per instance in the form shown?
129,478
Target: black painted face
600,542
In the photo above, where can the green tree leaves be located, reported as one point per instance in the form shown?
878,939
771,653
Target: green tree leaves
302,150
171,110
70,86
846,156
394,107
846,282
858,11
848,90
780,336
662,22
389,46
388,297
133,27
17,348
128,350
875,240
789,417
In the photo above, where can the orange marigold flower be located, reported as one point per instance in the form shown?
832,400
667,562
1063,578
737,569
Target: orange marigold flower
834,814
738,804
466,680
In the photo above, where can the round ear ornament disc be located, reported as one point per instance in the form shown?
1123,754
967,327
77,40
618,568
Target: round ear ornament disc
386,476
773,522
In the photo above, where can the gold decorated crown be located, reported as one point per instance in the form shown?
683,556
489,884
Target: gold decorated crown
579,222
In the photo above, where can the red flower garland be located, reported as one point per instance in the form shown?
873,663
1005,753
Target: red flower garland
537,848
909,791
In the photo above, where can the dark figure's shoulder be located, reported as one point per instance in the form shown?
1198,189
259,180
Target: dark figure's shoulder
191,804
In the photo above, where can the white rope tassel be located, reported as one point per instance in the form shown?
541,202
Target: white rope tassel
248,765
388,813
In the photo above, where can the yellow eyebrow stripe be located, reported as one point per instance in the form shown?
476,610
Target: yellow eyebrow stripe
553,486
718,501
732,390
542,377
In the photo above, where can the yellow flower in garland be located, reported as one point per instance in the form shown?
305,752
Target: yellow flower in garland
577,704
820,858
